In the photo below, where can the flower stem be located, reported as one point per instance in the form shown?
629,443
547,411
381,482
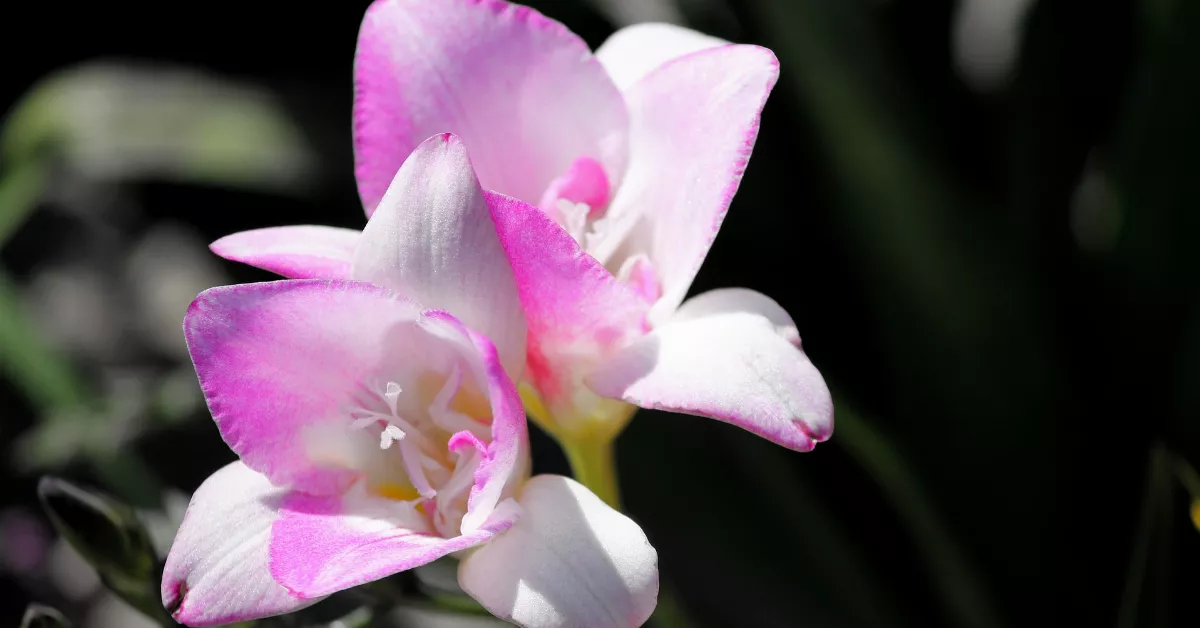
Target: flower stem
594,466
1155,497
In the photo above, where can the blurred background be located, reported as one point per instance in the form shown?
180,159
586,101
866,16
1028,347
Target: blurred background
981,213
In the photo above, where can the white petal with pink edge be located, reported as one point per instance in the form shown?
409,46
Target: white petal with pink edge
432,239
321,545
296,252
524,93
735,367
693,124
577,311
631,53
217,570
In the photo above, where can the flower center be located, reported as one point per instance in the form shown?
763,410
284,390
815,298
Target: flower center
578,199
419,457
394,428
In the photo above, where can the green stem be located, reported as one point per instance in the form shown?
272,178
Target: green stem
594,466
1187,476
1156,479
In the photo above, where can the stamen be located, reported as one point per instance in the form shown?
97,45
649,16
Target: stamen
389,434
463,478
392,396
412,465
456,488
396,429
441,400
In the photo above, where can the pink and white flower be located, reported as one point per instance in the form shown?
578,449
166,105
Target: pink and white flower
633,154
377,434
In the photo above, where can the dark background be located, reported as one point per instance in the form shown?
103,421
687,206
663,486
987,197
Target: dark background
998,282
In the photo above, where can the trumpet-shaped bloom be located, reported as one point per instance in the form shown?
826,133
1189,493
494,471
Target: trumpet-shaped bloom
633,155
377,434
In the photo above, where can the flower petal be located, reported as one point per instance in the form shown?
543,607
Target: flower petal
725,300
523,92
298,252
321,545
693,123
280,362
631,53
216,572
571,560
432,238
734,367
575,308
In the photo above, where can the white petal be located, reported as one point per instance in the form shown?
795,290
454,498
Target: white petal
432,238
635,51
570,561
216,571
725,300
735,367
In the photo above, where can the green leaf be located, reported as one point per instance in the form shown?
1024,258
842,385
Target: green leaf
38,616
111,537
122,121
20,190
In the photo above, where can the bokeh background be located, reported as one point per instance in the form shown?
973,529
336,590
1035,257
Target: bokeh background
981,213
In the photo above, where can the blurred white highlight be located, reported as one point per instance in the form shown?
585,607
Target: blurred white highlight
987,38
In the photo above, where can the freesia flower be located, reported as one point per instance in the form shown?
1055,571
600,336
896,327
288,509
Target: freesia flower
633,155
377,434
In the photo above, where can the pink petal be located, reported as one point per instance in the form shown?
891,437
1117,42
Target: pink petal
216,572
321,545
631,53
432,238
506,461
693,123
584,182
280,362
571,560
523,92
576,309
299,252
735,367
